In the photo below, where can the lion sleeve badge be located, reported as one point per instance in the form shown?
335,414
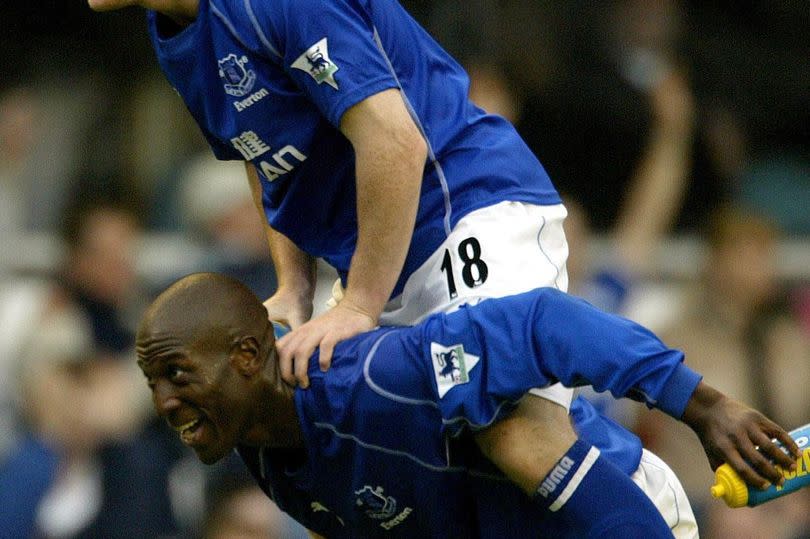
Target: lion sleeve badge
451,366
317,63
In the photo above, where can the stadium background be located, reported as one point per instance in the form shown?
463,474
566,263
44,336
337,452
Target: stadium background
678,131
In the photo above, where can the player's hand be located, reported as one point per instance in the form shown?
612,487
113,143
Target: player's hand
325,331
734,433
289,308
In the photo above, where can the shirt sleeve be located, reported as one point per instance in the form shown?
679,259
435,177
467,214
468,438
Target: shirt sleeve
329,48
488,356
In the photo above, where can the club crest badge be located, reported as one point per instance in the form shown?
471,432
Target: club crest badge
238,79
451,366
317,63
374,503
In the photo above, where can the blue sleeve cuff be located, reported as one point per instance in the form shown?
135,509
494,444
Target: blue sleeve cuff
678,390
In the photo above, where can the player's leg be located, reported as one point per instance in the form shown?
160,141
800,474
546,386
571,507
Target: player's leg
527,443
581,491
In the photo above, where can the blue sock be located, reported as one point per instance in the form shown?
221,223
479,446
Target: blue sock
589,496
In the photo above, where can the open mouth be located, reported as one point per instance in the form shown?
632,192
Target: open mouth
188,430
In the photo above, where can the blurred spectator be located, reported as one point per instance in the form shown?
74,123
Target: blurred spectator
523,39
163,138
40,129
71,405
658,182
591,123
22,303
737,331
101,237
125,468
750,57
218,207
655,194
56,452
18,111
84,461
492,91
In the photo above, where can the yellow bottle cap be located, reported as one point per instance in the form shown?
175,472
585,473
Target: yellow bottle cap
730,487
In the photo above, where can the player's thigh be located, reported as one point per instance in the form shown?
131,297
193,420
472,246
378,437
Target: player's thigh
661,484
521,450
500,250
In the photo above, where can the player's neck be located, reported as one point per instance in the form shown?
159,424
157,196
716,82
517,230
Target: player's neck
276,422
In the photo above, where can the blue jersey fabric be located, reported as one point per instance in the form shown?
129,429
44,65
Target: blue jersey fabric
268,82
388,427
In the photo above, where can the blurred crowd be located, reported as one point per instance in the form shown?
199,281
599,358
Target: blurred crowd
656,120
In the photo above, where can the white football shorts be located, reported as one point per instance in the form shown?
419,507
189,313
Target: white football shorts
663,487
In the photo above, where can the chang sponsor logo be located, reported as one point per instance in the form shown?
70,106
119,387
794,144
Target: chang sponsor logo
284,161
251,146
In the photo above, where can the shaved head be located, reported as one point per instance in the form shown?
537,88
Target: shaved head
204,308
206,348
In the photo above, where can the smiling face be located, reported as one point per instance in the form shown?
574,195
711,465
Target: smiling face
195,387
207,350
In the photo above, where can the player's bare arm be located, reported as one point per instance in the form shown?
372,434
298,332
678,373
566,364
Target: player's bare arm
295,269
390,156
181,11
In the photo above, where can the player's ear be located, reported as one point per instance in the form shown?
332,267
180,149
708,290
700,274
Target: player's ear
245,356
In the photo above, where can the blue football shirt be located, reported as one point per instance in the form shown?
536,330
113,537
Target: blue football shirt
388,427
268,82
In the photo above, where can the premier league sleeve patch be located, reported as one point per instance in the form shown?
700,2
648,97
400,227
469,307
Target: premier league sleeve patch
317,63
451,366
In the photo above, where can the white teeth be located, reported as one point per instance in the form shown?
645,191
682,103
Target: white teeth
186,434
187,426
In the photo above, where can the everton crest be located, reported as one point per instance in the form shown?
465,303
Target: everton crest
375,504
239,81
